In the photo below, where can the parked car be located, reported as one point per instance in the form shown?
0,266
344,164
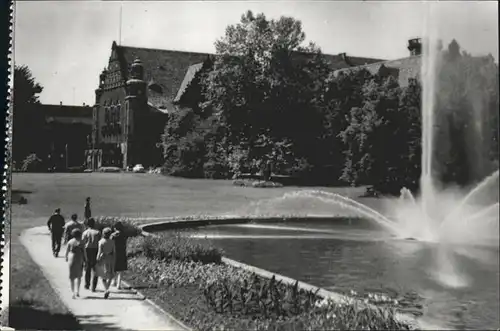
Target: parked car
109,169
138,168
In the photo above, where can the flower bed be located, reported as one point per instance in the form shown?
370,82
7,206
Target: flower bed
255,183
187,279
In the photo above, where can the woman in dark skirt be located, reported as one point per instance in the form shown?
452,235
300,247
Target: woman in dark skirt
120,240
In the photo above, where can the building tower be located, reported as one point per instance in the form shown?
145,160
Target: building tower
135,103
93,155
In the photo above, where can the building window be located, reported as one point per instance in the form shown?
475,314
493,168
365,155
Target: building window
113,114
119,113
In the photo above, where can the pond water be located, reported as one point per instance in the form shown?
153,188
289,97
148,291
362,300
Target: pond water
344,255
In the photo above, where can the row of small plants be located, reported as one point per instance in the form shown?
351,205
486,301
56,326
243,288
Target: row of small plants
259,297
129,227
187,278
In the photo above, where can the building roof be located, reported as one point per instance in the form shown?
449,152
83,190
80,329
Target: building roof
190,74
164,70
155,109
342,61
408,67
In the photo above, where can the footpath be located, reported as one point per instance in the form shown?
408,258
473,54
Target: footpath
123,310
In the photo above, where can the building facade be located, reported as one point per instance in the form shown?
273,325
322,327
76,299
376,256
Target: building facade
67,133
135,96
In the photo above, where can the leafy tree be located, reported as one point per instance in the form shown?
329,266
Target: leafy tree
368,133
28,121
31,164
411,132
343,92
466,115
184,144
265,83
383,137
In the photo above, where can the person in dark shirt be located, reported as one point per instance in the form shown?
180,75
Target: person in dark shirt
90,239
56,228
88,213
68,227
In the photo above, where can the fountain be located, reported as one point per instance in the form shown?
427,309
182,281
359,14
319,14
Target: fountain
447,216
442,244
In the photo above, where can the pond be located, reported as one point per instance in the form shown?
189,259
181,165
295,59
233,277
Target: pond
343,255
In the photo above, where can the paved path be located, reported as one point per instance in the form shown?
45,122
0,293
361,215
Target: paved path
123,310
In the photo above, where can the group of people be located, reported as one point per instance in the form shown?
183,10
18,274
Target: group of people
102,254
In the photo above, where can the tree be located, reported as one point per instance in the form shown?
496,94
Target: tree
264,82
368,133
28,121
383,137
343,92
466,115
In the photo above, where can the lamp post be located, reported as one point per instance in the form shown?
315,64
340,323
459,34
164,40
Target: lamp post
67,163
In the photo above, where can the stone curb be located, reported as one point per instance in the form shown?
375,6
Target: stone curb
195,221
169,223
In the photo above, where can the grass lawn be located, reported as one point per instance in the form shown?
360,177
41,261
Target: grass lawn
33,303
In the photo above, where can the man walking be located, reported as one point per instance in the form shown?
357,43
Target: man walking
56,228
91,238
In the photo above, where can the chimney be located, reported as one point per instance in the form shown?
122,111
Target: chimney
415,46
346,59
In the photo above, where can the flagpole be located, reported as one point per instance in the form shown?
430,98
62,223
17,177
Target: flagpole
120,27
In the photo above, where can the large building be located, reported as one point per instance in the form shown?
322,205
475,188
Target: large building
67,134
137,91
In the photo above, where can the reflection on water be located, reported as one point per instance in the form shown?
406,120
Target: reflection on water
345,255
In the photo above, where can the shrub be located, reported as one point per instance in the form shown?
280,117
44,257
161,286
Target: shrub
215,170
180,273
130,229
32,163
174,246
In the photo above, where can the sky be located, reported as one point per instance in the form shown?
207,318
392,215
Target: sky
66,44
